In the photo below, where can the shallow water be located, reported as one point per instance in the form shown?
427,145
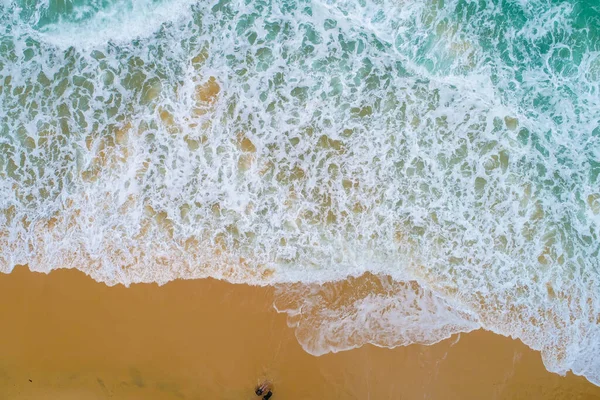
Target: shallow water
448,149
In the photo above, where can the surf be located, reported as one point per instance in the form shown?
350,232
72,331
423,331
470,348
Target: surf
440,160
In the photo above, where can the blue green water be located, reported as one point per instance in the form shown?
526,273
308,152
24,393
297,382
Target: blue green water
455,144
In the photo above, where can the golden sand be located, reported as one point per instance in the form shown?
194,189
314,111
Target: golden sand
66,337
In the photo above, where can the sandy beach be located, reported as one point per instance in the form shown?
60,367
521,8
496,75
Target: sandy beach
65,336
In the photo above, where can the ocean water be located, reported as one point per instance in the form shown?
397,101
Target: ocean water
400,170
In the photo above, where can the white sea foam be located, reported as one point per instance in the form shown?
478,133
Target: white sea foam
141,20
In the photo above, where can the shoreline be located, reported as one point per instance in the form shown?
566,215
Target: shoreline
75,338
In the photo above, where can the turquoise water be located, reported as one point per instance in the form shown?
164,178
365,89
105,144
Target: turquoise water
449,144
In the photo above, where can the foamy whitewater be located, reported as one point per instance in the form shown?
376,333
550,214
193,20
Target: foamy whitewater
448,150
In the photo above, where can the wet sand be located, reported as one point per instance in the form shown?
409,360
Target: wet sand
66,337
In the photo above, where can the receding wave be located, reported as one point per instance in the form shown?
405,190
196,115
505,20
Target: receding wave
402,171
